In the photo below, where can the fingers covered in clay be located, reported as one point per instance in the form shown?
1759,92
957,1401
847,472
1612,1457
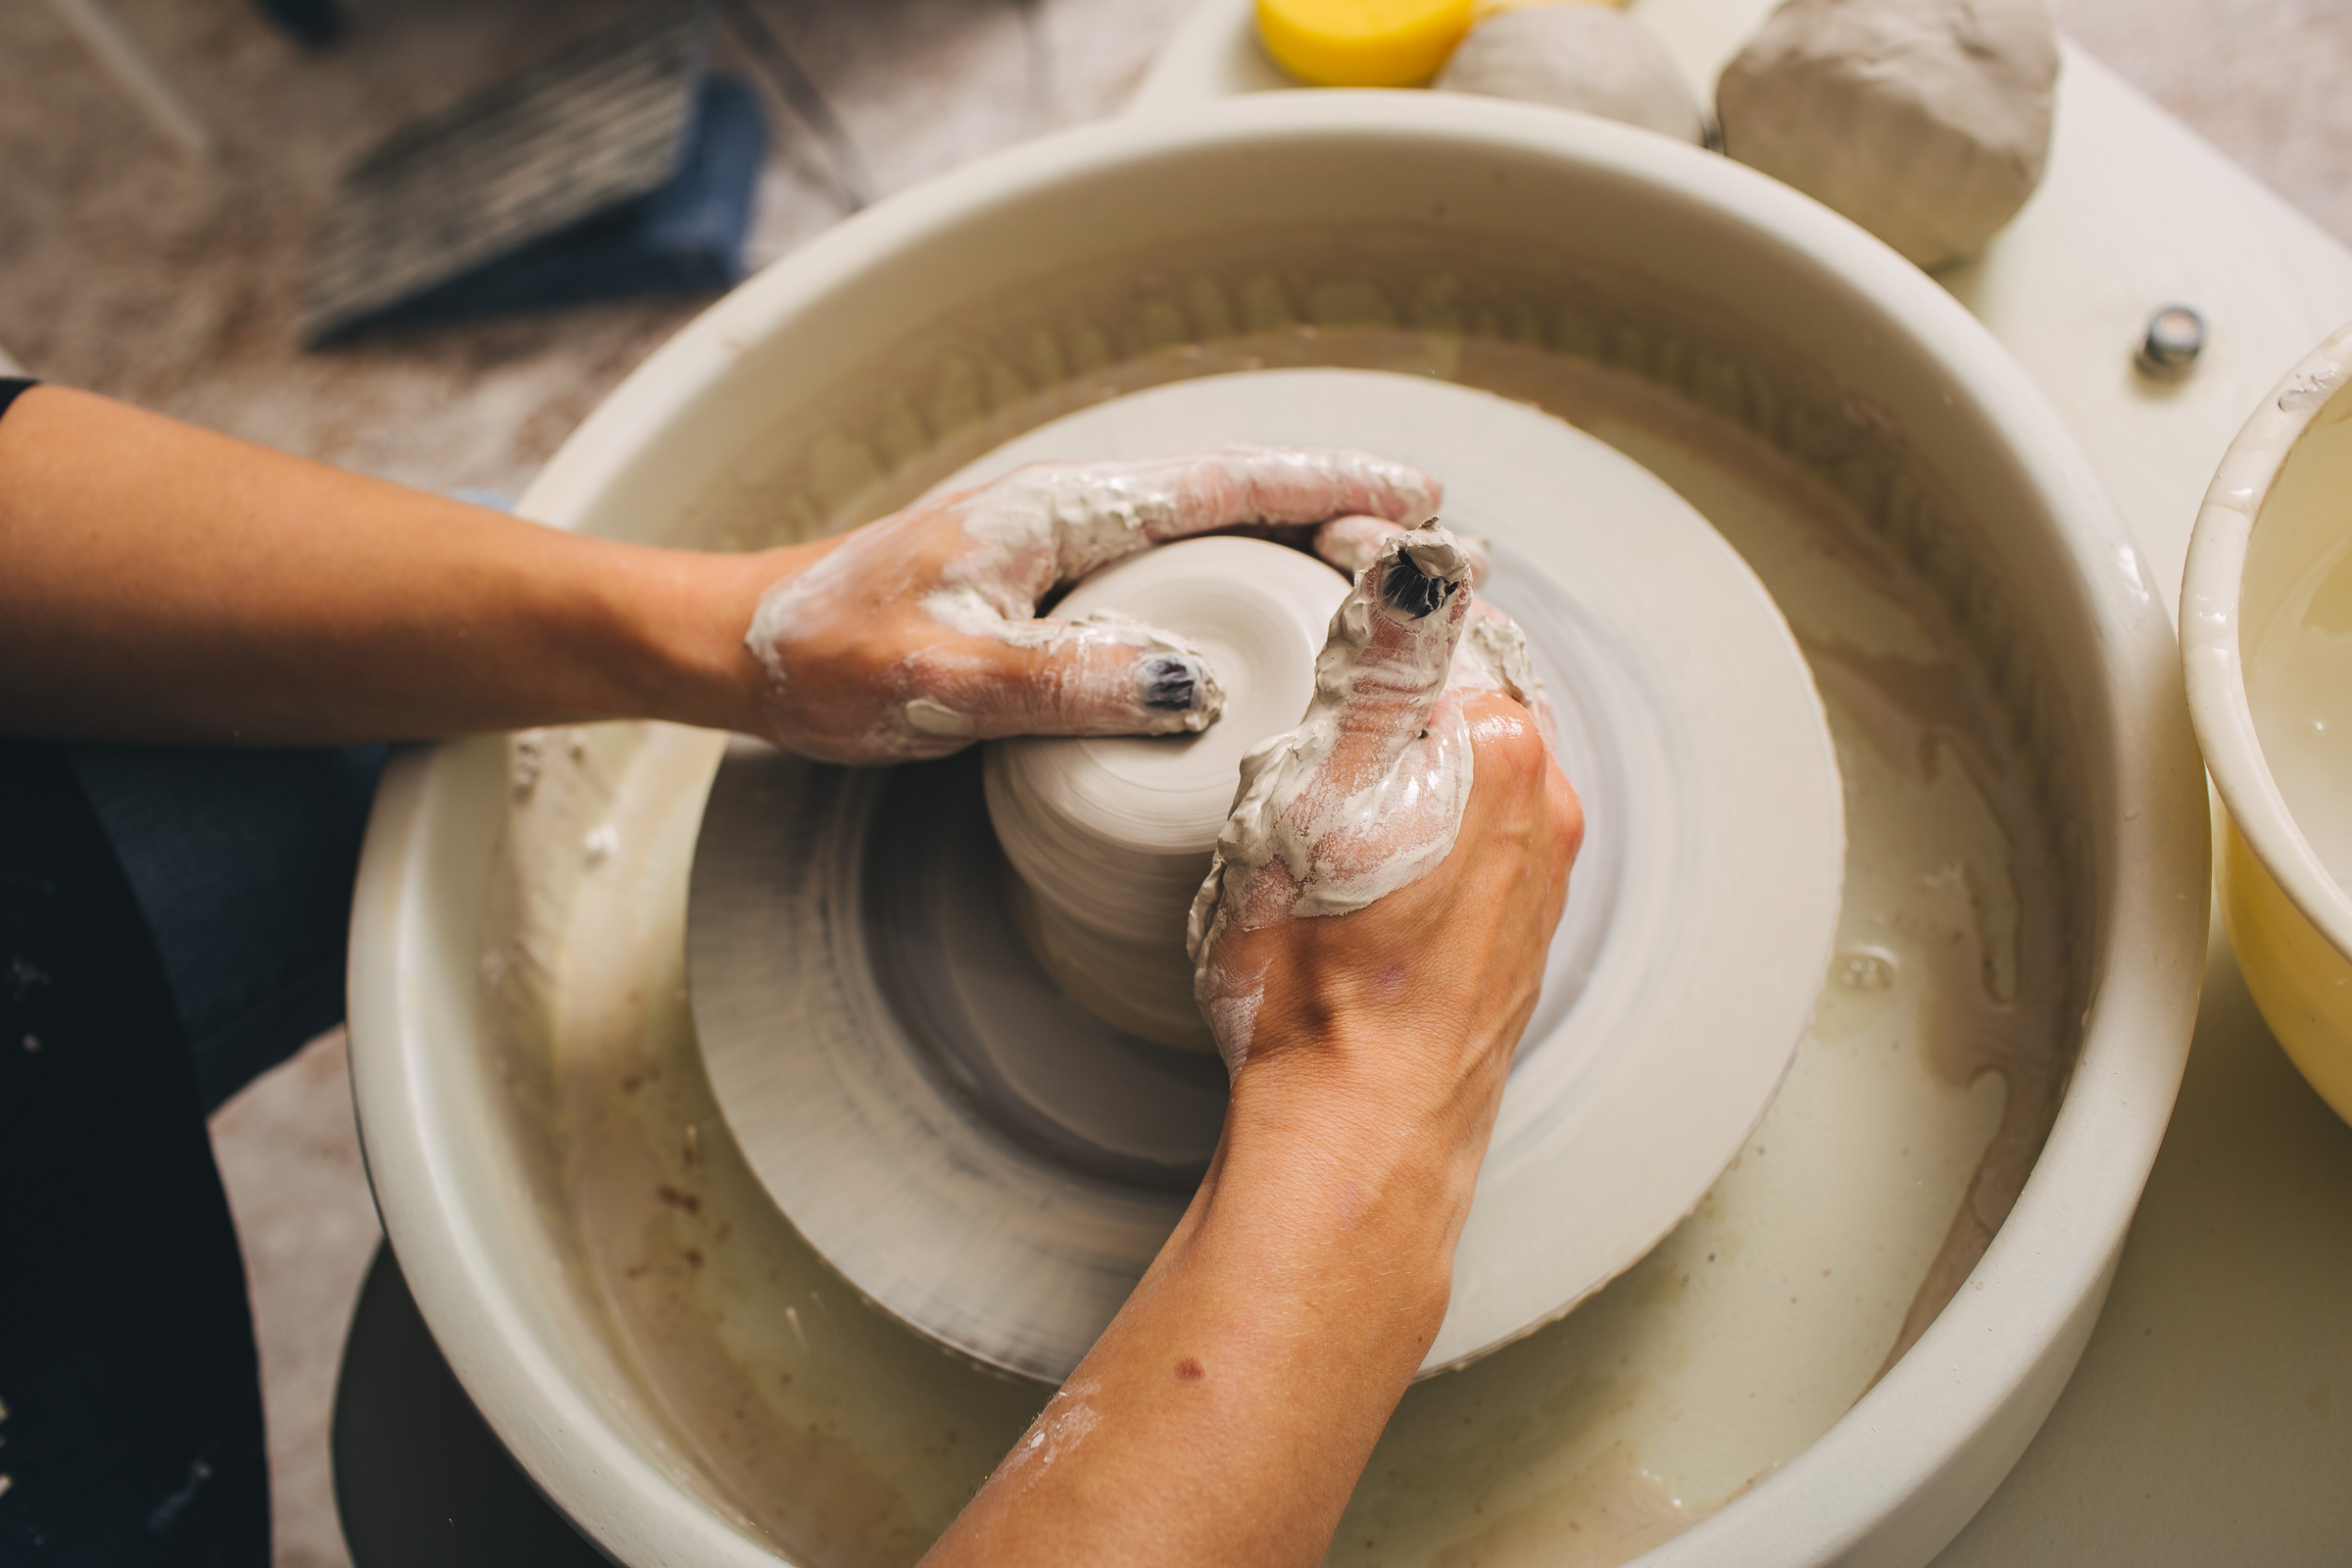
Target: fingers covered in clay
916,635
899,687
1493,655
1101,674
1352,543
1055,522
1367,795
1420,998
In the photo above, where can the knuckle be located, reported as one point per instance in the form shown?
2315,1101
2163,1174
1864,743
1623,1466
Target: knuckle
1508,745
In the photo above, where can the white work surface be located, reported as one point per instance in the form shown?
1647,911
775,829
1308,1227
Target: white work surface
2204,1424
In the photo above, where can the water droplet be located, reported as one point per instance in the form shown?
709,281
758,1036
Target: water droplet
530,759
1864,970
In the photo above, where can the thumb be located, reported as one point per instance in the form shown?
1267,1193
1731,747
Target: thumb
1366,794
1371,782
1384,668
1352,543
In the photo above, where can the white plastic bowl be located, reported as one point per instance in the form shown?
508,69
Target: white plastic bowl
2278,507
454,1107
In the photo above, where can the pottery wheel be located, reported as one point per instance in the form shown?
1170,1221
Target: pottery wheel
996,1166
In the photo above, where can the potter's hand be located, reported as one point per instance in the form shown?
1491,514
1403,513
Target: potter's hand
1226,1414
918,634
1418,694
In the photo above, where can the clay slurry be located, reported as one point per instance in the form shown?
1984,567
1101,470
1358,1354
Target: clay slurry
1109,836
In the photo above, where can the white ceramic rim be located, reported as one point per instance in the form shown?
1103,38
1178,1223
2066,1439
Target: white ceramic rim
2213,664
1967,1396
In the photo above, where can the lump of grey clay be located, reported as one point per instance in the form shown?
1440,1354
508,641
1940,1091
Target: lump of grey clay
1576,56
1926,122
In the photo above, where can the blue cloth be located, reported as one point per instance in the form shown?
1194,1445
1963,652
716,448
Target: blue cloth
686,237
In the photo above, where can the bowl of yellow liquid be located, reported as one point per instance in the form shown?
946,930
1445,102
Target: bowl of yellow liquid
2265,637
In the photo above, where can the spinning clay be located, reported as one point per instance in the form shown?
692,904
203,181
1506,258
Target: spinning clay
1926,122
1591,58
1108,836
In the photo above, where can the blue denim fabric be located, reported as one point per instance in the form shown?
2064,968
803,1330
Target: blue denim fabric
133,1425
174,922
242,862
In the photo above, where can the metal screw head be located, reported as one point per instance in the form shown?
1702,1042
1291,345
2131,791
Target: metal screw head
2176,337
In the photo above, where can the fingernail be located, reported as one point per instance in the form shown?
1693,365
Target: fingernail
1168,683
1411,592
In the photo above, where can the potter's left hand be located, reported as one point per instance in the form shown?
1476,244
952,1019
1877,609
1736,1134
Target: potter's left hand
918,634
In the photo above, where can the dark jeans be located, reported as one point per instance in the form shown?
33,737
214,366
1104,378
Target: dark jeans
172,922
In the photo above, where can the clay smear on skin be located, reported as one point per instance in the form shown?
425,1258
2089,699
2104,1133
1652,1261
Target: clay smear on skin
807,607
1054,523
1304,841
1065,1422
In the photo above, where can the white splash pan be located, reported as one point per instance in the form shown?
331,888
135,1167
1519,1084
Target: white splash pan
458,1148
1701,917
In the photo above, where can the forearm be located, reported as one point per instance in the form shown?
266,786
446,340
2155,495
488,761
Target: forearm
1228,1410
1226,1414
162,582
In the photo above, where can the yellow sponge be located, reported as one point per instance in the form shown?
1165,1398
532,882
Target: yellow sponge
1363,43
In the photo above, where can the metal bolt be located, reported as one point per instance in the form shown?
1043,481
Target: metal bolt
2176,337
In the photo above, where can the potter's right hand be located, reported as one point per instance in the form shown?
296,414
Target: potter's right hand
1387,889
1228,1410
918,634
